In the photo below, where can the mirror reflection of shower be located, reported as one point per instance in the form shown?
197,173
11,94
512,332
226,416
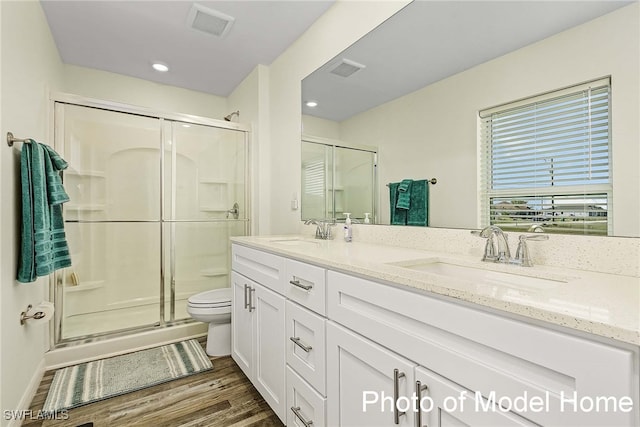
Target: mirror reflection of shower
153,204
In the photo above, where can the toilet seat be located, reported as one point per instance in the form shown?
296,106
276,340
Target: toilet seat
217,298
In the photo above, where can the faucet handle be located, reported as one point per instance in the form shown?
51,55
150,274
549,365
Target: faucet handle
523,257
534,237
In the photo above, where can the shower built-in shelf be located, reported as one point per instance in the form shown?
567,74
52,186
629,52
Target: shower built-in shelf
85,286
85,173
84,207
214,272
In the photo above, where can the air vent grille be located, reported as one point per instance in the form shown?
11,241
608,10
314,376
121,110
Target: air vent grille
346,68
209,21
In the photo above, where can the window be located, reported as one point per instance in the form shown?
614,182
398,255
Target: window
545,163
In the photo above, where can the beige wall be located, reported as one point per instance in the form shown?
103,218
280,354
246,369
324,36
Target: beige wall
438,124
30,68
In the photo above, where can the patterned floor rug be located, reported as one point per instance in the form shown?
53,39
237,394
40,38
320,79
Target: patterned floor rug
93,381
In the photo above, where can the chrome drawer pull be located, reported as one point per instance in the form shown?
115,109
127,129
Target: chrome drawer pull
246,303
297,342
251,306
396,379
419,389
296,411
300,285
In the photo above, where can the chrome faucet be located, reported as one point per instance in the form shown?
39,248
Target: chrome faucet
323,228
497,247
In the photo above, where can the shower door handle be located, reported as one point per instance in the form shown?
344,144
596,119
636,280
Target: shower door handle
235,211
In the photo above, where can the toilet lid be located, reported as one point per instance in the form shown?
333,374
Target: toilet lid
214,297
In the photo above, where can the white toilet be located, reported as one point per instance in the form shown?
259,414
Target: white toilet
214,307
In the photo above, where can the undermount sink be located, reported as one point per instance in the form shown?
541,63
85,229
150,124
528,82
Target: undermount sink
479,275
295,242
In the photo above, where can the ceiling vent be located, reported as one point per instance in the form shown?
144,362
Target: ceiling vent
346,67
209,21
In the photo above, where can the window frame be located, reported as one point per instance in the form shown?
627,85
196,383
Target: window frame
485,147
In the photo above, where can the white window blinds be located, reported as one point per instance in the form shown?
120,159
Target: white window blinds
545,162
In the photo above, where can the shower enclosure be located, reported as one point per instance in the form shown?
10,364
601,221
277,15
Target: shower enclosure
154,200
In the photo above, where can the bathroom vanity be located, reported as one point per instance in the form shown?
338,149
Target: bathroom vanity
358,334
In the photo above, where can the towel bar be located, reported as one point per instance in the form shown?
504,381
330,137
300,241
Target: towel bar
11,139
433,181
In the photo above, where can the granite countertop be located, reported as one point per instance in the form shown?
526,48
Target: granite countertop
607,305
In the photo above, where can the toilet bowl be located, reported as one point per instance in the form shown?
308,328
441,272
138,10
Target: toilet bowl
214,307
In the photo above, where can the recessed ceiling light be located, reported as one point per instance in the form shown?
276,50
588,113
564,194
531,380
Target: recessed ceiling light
160,66
311,104
186,126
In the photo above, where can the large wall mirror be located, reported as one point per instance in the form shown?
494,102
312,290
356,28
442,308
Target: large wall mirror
419,88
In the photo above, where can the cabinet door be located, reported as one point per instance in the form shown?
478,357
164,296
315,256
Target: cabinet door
269,350
360,382
241,323
446,404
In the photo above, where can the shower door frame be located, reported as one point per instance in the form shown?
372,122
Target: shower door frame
55,279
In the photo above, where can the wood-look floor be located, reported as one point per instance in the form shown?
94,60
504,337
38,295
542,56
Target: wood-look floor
222,396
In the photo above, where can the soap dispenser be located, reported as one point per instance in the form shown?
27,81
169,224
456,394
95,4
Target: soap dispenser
347,228
367,220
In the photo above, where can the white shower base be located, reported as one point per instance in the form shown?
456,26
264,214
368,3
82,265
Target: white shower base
75,354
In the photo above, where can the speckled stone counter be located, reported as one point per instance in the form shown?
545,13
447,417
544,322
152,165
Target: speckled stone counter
603,304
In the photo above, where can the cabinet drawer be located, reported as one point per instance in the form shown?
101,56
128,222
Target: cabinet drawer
306,285
303,402
486,352
306,344
265,268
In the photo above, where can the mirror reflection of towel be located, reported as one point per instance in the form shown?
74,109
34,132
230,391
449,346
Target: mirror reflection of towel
404,194
417,211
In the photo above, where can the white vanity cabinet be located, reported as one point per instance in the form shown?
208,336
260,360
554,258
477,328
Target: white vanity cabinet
495,356
258,323
326,348
364,381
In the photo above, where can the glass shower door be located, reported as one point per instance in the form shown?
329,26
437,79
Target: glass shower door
205,203
112,221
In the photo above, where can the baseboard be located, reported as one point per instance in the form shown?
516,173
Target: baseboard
29,393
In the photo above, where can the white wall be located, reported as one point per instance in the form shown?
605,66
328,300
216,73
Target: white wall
344,23
251,98
130,90
438,124
30,68
316,126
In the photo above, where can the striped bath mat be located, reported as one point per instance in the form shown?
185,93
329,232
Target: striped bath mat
93,381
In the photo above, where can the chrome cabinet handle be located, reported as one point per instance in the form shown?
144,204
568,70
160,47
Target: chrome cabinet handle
300,285
396,379
419,389
297,342
298,414
246,303
251,292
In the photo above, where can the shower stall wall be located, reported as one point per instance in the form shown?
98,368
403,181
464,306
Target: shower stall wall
154,201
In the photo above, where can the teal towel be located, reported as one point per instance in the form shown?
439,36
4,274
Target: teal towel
418,213
43,246
397,216
404,194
